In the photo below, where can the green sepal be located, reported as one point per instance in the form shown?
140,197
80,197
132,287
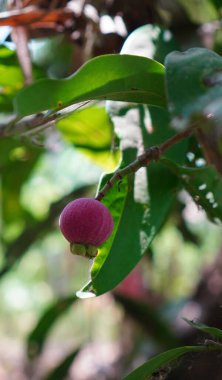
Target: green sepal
85,250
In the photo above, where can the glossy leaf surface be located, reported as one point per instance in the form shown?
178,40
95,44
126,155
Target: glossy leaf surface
147,197
126,78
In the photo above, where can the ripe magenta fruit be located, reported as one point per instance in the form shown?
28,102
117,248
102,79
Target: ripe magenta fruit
87,222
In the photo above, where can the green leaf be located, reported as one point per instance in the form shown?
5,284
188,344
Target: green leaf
145,371
217,4
89,128
193,81
137,221
37,337
115,77
16,165
114,263
11,79
200,11
213,331
60,372
203,184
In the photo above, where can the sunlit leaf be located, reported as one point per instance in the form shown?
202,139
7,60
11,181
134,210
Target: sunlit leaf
18,161
91,130
115,77
11,79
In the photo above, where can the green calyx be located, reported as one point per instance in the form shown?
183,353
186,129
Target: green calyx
85,250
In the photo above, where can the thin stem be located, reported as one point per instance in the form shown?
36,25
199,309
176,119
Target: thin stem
175,139
152,154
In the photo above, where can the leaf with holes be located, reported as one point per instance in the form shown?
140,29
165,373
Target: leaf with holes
203,184
193,83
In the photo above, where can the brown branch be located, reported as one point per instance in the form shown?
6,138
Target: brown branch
19,35
152,154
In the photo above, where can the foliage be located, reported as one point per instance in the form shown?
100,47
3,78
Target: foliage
147,120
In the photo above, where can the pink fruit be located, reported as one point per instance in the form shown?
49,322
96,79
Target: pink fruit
86,221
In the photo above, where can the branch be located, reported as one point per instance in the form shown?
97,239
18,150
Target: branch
152,154
30,125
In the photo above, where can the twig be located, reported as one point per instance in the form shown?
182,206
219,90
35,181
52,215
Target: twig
152,154
31,124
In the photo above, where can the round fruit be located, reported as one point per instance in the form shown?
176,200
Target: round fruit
86,221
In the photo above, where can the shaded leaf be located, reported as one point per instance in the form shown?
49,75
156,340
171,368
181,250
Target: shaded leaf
115,262
193,81
200,11
203,184
39,334
213,331
60,372
145,371
121,77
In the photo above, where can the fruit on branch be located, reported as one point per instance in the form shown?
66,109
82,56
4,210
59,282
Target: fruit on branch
86,223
